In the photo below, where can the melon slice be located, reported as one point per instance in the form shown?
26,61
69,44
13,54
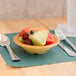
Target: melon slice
50,39
39,38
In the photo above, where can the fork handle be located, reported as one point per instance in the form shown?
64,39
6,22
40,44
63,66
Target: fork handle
69,42
68,51
12,54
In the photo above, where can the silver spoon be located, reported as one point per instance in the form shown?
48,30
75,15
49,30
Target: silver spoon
4,41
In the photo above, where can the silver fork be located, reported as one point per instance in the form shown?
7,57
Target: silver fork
63,37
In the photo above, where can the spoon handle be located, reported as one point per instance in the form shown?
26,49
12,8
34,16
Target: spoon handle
12,54
69,42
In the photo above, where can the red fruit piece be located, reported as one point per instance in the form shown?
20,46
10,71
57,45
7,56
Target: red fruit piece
25,36
21,33
27,29
50,39
27,41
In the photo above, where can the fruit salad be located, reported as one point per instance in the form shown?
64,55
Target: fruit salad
36,37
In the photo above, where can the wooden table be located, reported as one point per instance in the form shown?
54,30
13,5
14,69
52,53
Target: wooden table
59,69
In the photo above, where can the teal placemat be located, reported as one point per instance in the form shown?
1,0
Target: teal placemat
54,55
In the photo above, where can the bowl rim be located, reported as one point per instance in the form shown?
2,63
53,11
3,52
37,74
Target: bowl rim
31,46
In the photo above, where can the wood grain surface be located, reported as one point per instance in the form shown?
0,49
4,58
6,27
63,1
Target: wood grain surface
59,69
